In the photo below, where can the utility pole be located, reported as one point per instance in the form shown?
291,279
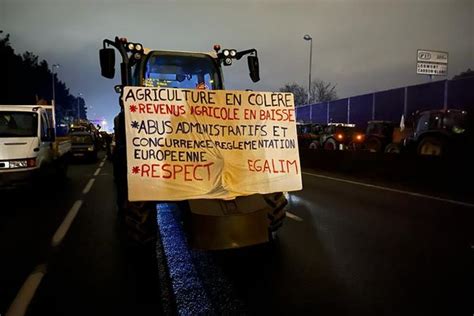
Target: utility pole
53,101
310,39
78,113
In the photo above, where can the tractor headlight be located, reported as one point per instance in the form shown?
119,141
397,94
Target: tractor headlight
233,53
226,52
138,47
131,46
90,148
228,61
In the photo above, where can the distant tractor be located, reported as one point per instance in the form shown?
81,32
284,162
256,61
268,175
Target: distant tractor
378,135
434,133
308,135
339,136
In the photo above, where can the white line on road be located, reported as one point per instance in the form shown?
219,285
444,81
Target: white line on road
102,164
391,190
88,186
64,227
27,291
294,217
96,173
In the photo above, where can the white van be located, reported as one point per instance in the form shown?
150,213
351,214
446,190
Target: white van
28,144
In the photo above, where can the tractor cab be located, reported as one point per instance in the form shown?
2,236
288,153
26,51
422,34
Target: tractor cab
178,70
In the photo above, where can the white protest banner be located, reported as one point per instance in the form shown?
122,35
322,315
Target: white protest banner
203,144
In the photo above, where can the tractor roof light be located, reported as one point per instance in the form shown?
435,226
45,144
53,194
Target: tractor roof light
217,48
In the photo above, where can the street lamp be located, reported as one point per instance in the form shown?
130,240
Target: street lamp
310,39
80,95
53,101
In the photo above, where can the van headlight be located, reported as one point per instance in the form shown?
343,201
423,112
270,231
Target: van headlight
18,164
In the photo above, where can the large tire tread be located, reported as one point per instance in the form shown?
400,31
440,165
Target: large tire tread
277,203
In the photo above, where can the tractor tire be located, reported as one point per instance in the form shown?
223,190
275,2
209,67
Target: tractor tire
393,149
314,145
330,144
140,222
431,146
277,203
373,144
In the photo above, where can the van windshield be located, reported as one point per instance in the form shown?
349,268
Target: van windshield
18,124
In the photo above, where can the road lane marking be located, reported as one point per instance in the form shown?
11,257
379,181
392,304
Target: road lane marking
294,217
66,224
88,186
23,298
390,189
102,164
96,173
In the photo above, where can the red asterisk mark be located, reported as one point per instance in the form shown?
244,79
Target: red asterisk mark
133,108
135,170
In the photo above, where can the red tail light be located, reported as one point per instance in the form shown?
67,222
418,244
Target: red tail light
31,162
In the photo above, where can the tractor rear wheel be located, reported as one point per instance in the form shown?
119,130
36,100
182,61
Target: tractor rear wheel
373,144
430,146
330,144
392,148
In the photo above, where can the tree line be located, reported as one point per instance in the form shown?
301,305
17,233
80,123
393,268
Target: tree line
320,91
30,80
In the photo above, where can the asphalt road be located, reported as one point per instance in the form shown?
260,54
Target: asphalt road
349,249
92,271
361,250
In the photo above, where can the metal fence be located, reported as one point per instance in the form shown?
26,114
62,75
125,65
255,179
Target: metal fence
391,104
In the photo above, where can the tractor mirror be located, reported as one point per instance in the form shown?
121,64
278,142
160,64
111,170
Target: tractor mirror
253,68
107,62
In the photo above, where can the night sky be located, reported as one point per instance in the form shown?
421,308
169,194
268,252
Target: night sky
362,46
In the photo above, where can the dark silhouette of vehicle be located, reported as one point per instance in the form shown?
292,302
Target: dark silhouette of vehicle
84,145
378,135
309,135
435,133
340,136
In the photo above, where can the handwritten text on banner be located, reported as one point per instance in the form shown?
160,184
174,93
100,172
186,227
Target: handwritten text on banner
193,144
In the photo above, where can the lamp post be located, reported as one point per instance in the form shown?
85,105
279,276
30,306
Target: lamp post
80,95
53,101
310,39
